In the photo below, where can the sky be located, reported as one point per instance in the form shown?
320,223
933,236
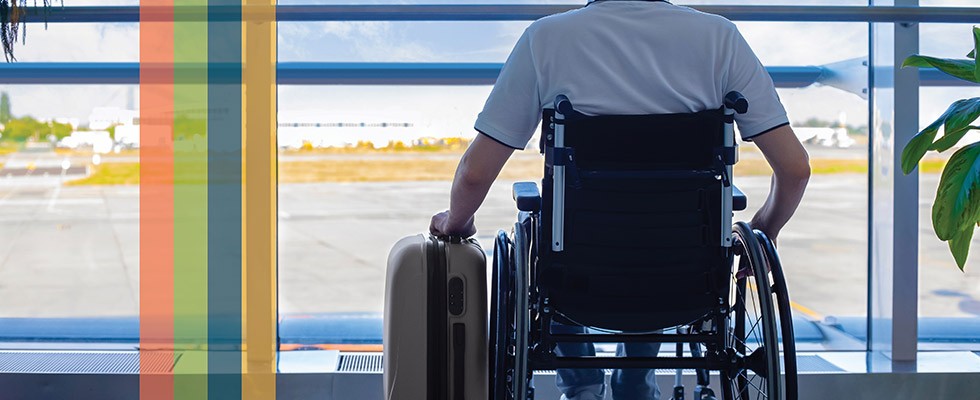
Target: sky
452,110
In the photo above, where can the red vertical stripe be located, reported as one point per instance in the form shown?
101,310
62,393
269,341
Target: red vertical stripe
156,196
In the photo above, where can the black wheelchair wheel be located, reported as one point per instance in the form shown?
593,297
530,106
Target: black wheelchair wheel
501,319
521,387
509,376
753,334
785,314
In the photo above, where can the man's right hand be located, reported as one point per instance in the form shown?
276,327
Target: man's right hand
442,225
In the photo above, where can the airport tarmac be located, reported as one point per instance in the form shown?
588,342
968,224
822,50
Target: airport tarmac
74,250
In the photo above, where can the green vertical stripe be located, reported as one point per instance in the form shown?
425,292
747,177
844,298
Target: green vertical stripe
190,200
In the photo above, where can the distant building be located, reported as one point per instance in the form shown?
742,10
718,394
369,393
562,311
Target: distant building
824,136
127,136
98,141
296,130
427,141
104,117
827,136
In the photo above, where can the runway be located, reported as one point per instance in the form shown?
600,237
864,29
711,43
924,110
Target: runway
73,251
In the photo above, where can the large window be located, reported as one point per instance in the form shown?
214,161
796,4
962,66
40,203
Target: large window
70,238
70,232
362,165
69,202
824,247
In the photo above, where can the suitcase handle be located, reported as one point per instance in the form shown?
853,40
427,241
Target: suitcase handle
454,239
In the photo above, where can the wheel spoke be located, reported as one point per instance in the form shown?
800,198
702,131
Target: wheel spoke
755,334
748,381
759,390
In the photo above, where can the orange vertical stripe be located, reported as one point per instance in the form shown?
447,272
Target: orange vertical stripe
156,195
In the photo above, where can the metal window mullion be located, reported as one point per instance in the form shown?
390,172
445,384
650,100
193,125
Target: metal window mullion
905,211
893,196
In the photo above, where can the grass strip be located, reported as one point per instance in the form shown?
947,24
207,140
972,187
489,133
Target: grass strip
111,174
442,169
7,148
381,170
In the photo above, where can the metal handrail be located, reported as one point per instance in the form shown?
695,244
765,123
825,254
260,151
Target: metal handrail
489,12
308,73
350,73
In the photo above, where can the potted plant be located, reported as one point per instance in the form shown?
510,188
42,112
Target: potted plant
956,210
13,26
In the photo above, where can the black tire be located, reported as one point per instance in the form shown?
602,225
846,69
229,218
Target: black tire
785,313
501,319
509,378
520,259
753,320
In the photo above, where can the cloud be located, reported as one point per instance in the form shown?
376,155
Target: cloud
380,41
387,41
118,42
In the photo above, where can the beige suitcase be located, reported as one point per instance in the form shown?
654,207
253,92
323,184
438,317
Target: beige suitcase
435,320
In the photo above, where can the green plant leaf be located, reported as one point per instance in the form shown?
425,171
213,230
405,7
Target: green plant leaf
962,113
917,148
959,245
922,141
976,46
957,203
962,69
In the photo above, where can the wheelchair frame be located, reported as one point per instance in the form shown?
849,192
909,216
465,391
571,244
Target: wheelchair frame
521,315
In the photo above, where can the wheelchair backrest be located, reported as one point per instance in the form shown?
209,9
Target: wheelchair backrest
645,210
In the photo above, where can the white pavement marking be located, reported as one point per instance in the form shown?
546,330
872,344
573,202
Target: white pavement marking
5,200
41,202
56,193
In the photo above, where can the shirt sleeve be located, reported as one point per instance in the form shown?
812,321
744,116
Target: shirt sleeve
513,110
747,76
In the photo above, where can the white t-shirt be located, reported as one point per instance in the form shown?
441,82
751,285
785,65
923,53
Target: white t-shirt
628,57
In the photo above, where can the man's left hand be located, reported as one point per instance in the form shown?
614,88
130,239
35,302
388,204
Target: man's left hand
441,226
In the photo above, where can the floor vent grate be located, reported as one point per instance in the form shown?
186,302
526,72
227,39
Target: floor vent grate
360,363
84,362
368,362
815,363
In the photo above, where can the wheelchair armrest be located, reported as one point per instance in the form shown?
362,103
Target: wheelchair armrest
739,201
527,196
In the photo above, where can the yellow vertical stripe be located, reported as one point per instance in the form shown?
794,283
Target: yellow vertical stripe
259,170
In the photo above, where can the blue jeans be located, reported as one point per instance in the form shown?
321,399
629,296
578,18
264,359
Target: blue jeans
627,384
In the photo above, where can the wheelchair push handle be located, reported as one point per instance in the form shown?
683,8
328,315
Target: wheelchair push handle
563,105
735,101
527,196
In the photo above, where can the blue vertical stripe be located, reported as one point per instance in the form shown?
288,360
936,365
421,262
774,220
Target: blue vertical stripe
224,201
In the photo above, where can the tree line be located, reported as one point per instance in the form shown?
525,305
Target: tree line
27,128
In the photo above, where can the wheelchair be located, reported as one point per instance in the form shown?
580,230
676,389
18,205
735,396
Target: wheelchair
631,236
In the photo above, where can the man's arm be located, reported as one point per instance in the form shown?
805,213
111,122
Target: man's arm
791,172
477,170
